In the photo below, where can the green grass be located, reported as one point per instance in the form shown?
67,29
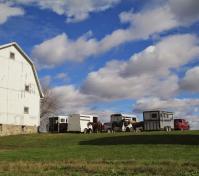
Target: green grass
140,154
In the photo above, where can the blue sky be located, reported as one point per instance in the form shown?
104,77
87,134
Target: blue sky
112,55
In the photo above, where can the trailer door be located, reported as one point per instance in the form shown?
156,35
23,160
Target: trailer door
53,124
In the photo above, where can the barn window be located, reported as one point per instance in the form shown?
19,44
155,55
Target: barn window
12,55
23,128
27,88
26,110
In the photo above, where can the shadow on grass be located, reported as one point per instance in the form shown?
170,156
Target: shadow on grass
144,139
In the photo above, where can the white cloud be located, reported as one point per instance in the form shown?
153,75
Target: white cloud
60,48
145,74
142,25
185,11
191,80
74,10
7,11
107,83
72,99
177,105
86,46
170,53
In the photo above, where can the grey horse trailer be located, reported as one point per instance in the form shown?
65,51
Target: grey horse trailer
158,120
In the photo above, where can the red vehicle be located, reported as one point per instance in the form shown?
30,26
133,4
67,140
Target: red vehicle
181,124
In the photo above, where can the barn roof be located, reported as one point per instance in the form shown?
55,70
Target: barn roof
29,61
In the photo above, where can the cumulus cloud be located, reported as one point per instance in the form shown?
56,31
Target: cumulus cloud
72,99
177,105
48,52
74,10
142,25
86,46
185,11
170,53
7,11
191,80
145,74
114,86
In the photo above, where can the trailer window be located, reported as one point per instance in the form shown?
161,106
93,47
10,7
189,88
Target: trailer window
166,116
170,116
134,119
154,116
62,120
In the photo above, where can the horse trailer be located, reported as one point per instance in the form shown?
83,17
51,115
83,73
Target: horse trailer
58,124
80,123
123,122
158,120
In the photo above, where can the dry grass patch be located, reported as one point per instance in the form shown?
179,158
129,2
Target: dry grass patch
98,168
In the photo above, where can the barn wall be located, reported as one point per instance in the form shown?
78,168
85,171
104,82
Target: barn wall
14,75
16,129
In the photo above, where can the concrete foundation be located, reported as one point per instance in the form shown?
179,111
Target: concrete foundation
6,129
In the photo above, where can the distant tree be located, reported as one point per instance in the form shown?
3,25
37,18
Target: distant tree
50,104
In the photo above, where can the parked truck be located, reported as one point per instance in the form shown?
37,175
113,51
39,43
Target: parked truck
123,122
80,123
107,127
156,120
181,124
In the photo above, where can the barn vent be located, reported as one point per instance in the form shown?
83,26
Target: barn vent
26,110
12,55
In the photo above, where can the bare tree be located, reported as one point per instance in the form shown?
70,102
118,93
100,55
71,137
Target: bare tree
50,104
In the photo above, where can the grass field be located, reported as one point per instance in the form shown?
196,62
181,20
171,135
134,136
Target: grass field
140,154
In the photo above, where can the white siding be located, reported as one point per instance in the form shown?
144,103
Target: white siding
14,75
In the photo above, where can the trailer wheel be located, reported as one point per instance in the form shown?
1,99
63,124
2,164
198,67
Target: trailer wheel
109,131
128,129
85,130
89,131
167,129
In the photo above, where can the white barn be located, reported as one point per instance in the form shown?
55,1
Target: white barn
20,92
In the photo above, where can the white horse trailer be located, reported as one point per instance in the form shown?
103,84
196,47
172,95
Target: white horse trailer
80,123
58,124
158,120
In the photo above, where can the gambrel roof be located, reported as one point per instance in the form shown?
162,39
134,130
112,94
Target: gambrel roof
29,61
